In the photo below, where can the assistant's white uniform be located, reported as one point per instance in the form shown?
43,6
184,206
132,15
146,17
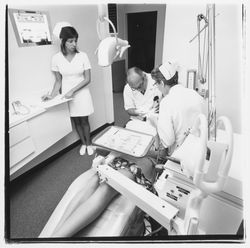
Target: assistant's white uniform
178,112
72,75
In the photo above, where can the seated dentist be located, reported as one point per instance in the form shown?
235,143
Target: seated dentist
87,197
179,107
141,99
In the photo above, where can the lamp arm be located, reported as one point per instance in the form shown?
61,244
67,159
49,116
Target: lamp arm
98,22
113,27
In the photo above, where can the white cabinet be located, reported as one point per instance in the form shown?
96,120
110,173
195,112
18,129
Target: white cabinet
19,133
31,137
21,143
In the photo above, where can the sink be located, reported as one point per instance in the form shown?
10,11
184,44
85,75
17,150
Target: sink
32,111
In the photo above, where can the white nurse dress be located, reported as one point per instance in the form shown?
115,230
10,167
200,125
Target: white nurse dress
72,74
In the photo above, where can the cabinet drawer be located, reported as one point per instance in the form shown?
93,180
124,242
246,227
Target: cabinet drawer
19,133
21,150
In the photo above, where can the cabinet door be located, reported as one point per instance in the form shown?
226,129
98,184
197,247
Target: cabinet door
21,150
18,133
21,144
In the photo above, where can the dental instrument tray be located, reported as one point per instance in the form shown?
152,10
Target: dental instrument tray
124,140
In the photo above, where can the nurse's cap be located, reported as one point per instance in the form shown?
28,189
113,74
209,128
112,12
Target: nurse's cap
168,69
58,27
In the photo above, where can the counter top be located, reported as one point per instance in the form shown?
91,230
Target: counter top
34,110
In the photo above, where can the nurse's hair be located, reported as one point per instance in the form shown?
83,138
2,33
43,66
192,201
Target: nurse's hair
157,75
66,33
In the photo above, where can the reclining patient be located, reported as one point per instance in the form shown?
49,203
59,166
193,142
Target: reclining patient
87,198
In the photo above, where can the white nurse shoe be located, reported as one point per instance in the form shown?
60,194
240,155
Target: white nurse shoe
82,150
90,150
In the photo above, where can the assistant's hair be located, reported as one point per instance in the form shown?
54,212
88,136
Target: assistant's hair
158,77
66,33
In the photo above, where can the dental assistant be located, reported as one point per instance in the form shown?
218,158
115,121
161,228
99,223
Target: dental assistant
179,107
71,68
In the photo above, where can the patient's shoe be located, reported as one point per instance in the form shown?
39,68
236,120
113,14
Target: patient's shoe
82,150
90,150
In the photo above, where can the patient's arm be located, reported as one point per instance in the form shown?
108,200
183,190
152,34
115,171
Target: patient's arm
89,210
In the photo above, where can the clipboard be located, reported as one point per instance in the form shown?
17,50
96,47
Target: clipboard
124,140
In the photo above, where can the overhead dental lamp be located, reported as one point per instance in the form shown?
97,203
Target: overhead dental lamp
110,47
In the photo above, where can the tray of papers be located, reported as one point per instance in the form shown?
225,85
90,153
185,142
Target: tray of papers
124,140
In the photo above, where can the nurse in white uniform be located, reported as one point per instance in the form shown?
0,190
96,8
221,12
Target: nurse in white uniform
179,107
72,72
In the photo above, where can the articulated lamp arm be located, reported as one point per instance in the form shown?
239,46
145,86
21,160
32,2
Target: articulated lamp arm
110,47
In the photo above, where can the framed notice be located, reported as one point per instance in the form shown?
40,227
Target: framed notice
32,28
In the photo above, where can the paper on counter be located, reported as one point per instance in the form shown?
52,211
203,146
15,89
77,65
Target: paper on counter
55,101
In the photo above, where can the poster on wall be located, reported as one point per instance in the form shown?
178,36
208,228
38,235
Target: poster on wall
32,28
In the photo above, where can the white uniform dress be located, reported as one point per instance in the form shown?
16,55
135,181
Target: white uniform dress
178,112
72,75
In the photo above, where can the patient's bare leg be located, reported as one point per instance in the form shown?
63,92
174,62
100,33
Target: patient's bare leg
78,184
89,210
78,199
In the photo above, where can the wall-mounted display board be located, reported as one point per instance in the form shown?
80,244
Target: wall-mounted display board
32,28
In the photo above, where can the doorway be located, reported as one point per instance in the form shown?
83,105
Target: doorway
141,30
142,39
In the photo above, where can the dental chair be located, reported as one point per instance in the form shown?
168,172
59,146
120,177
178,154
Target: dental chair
181,188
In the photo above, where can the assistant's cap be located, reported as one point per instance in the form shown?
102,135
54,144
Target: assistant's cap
58,27
168,69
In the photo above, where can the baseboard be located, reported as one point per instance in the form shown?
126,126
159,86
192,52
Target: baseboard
60,153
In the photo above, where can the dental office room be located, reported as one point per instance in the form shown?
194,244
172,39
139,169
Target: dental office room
144,142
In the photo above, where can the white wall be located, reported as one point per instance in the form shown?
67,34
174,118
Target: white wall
30,73
181,27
